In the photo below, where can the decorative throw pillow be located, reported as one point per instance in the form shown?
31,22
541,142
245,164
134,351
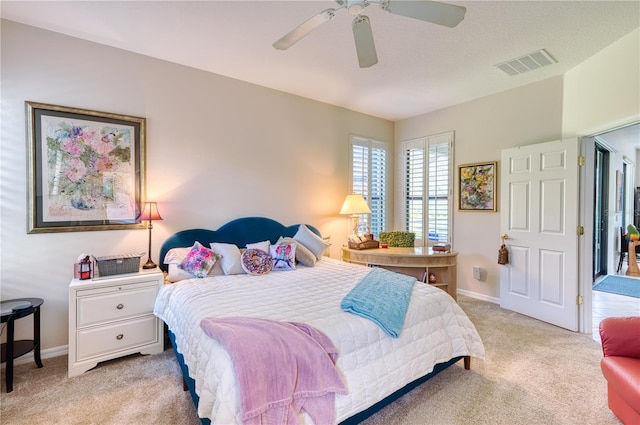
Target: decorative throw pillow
174,258
303,255
283,256
256,262
199,260
264,245
230,257
312,241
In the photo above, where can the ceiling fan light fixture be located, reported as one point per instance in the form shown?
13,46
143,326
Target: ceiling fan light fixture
356,7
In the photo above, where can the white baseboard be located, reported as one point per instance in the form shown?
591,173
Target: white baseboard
44,354
478,296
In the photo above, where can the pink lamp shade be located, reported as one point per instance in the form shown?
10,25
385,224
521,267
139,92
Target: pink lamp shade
149,211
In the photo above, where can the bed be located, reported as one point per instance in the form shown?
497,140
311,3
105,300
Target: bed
376,368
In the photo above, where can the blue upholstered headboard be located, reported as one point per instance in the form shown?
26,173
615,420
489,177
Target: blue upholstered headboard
240,231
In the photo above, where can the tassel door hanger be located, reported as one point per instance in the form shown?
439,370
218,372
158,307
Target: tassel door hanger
503,252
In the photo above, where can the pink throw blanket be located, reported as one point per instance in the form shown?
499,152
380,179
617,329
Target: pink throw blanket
282,368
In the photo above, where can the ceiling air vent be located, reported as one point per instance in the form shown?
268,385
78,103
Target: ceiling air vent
525,63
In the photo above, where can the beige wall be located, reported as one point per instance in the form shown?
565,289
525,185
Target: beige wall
604,91
484,127
217,149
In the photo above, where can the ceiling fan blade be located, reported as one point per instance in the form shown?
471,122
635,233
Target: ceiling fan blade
435,12
304,29
365,46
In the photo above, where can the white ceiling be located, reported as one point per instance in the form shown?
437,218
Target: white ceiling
422,67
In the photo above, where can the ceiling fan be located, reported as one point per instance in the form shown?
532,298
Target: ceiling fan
435,12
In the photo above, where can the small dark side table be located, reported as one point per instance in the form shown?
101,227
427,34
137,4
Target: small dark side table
12,349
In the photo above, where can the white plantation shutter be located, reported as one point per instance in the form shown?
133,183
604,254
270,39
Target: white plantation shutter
428,188
360,168
414,188
369,178
439,203
378,193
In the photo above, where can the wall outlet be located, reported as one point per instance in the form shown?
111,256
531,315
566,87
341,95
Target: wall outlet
477,272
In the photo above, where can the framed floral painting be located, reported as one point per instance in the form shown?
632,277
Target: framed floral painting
478,186
86,169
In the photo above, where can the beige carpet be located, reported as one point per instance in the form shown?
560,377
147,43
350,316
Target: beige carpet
534,373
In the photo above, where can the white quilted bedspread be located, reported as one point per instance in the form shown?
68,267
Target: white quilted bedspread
373,364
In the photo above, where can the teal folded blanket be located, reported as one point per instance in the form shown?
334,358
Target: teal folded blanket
383,297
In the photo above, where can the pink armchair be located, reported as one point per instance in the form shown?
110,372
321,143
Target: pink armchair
621,366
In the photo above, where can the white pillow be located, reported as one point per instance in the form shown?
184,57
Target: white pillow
176,255
303,255
311,241
231,258
263,246
176,274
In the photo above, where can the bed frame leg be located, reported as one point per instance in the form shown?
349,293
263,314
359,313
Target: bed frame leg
467,362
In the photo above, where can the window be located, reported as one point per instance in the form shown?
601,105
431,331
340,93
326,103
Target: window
428,188
369,178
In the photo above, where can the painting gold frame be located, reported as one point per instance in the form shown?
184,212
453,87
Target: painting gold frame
478,187
86,169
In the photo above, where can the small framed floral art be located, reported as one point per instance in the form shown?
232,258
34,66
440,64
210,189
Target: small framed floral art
86,169
478,186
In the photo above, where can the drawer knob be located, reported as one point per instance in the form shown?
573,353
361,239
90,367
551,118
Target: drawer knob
119,306
119,337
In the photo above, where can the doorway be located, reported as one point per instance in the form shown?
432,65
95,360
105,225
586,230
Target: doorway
607,206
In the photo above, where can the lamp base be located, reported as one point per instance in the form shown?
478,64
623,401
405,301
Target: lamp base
354,224
149,264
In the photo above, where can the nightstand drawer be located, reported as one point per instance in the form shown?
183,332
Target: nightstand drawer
115,305
96,341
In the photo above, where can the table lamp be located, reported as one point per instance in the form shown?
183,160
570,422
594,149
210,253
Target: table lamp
150,213
353,205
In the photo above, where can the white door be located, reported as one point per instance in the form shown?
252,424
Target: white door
539,214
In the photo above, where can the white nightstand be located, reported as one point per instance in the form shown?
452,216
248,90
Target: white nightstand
112,317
